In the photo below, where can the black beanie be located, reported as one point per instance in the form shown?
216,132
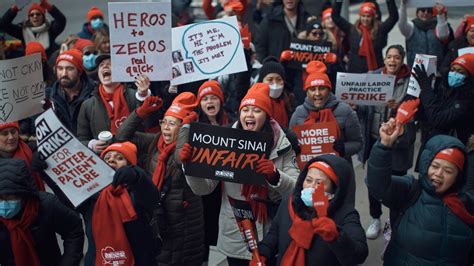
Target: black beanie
271,65
312,25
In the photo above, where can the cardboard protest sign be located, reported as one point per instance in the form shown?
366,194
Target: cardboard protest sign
430,3
77,171
140,40
306,51
466,50
21,87
365,89
227,154
246,222
207,49
429,61
314,140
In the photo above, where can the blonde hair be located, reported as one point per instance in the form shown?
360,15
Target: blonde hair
99,37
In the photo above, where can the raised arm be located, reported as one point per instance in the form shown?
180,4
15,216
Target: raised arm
392,19
7,25
405,26
340,22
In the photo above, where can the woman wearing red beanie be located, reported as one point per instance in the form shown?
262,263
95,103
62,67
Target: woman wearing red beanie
367,37
431,216
210,100
183,239
465,40
279,169
328,234
37,27
450,109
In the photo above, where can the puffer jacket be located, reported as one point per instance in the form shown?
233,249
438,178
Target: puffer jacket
183,240
56,27
230,242
53,217
350,248
68,112
357,63
429,233
93,117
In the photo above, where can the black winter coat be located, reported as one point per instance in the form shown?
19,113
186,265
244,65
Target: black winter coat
53,217
350,248
357,63
56,28
452,53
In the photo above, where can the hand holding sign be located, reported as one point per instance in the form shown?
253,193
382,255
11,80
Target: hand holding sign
268,169
320,201
287,55
246,36
150,105
407,111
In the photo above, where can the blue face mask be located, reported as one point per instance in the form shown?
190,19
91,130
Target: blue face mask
307,196
455,79
97,23
89,61
9,208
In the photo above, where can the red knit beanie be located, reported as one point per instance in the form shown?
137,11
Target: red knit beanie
182,105
326,13
10,124
80,44
94,12
327,169
469,24
36,6
258,95
73,56
452,155
317,75
35,47
210,87
128,149
367,8
466,61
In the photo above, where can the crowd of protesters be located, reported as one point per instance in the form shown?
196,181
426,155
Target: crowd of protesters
155,213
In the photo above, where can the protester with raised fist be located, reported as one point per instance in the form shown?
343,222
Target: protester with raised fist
371,117
431,217
37,27
279,170
30,221
367,37
449,107
315,225
110,104
183,239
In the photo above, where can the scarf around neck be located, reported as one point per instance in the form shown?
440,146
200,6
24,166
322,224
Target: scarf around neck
425,25
37,34
366,48
457,207
117,111
164,150
24,153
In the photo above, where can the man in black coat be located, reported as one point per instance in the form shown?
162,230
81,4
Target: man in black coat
29,221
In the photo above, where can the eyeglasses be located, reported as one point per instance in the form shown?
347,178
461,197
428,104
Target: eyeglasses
169,123
317,33
429,10
89,53
35,14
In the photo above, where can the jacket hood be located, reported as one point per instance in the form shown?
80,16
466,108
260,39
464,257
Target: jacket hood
16,178
432,147
343,171
332,102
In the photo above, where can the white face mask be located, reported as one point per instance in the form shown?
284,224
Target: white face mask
276,90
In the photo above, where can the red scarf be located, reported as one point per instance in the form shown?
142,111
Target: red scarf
402,73
279,112
113,208
324,115
259,209
457,207
120,111
164,150
301,233
23,245
24,152
367,48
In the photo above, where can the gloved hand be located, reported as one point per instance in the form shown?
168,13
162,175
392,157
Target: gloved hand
127,175
37,162
407,110
267,168
260,261
338,146
14,8
46,104
287,55
330,58
191,117
326,228
46,5
320,201
422,77
186,153
150,105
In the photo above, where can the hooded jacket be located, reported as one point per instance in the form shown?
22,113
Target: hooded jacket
350,248
230,241
429,233
53,217
69,112
85,32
